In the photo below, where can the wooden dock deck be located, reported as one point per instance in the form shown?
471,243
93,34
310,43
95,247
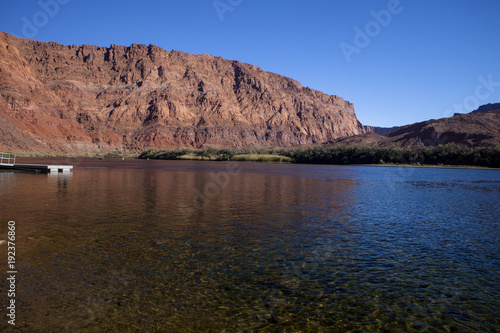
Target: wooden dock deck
43,168
8,162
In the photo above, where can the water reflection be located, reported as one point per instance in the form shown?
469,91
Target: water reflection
7,181
61,180
191,246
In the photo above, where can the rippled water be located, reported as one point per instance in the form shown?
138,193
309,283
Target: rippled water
148,246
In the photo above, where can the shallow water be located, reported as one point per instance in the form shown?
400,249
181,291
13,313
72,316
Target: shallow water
211,246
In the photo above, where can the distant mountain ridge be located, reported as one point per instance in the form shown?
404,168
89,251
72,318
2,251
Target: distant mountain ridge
75,99
379,130
488,107
475,129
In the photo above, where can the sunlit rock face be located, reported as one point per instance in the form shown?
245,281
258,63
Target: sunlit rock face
74,99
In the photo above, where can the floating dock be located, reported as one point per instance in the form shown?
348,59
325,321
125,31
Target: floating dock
44,168
8,162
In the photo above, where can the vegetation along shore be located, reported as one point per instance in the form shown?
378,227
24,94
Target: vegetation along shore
449,154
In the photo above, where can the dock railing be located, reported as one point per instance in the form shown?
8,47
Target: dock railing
7,159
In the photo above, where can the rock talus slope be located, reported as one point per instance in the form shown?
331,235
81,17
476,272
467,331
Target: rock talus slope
74,99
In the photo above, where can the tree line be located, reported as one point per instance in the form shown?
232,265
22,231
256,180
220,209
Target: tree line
449,154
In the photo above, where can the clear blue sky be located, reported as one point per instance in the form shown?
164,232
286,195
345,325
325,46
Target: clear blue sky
416,61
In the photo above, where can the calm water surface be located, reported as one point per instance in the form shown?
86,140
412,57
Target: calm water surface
153,246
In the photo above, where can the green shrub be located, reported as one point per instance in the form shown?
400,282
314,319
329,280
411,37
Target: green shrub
449,154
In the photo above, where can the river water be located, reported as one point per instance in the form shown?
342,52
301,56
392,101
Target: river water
188,246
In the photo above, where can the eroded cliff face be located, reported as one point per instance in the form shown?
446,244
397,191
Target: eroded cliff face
59,98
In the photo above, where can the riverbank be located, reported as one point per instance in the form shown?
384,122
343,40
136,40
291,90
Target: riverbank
114,154
449,155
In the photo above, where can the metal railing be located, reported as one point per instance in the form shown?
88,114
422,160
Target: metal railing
7,159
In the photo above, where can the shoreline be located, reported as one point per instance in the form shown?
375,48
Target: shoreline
257,158
441,156
444,166
449,155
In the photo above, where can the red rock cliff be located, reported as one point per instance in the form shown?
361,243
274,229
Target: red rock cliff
59,98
